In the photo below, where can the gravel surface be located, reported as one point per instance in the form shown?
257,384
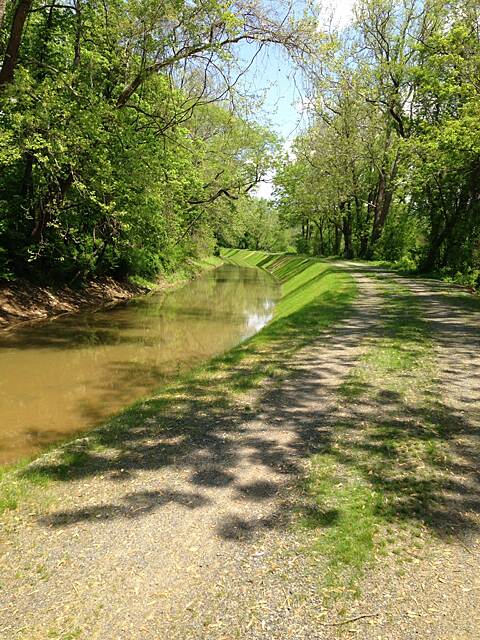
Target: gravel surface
436,594
196,542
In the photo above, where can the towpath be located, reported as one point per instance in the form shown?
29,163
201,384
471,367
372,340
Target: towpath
197,537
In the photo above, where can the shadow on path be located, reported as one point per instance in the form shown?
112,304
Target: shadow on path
226,454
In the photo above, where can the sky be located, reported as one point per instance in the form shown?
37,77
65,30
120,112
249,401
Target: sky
272,75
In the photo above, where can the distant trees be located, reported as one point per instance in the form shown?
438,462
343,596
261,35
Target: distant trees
124,144
257,226
390,166
118,150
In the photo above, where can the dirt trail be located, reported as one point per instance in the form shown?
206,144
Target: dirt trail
437,595
193,543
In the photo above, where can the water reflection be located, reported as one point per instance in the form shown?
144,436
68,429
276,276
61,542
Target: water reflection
59,377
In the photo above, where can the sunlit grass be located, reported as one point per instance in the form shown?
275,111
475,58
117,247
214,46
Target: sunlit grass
405,347
314,295
346,511
383,468
14,489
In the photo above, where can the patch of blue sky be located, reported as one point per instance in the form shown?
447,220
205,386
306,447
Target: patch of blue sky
279,89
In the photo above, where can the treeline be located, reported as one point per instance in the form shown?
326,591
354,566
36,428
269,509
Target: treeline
390,166
125,145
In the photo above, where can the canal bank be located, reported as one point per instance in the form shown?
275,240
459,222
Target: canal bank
23,301
314,295
69,375
226,507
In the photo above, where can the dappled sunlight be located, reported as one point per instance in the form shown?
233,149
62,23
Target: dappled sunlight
347,450
200,424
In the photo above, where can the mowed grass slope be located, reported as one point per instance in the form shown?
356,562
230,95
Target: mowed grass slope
315,295
303,280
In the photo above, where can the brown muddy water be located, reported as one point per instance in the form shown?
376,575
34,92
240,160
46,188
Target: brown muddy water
66,375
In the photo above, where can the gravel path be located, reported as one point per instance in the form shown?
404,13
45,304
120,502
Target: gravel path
437,594
195,542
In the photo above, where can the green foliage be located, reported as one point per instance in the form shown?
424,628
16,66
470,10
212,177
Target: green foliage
257,226
119,152
390,167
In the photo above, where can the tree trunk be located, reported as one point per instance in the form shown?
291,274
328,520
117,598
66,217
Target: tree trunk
14,41
26,188
337,241
378,210
381,214
431,258
309,231
321,243
347,233
43,212
363,245
383,202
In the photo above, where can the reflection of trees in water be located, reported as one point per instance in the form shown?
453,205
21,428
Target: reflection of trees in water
255,322
228,290
70,373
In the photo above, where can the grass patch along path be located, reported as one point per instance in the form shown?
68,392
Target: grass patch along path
304,485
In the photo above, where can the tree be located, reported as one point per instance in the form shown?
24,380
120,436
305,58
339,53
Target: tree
392,154
118,147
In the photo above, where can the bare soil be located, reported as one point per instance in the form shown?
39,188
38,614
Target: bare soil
22,301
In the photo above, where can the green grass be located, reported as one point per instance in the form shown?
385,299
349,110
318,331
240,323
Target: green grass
61,635
385,468
187,271
303,279
406,347
345,509
315,295
14,489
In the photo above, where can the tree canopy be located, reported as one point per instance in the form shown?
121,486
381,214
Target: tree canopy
389,166
125,144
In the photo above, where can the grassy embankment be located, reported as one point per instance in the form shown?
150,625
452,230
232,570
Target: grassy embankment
314,295
189,270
